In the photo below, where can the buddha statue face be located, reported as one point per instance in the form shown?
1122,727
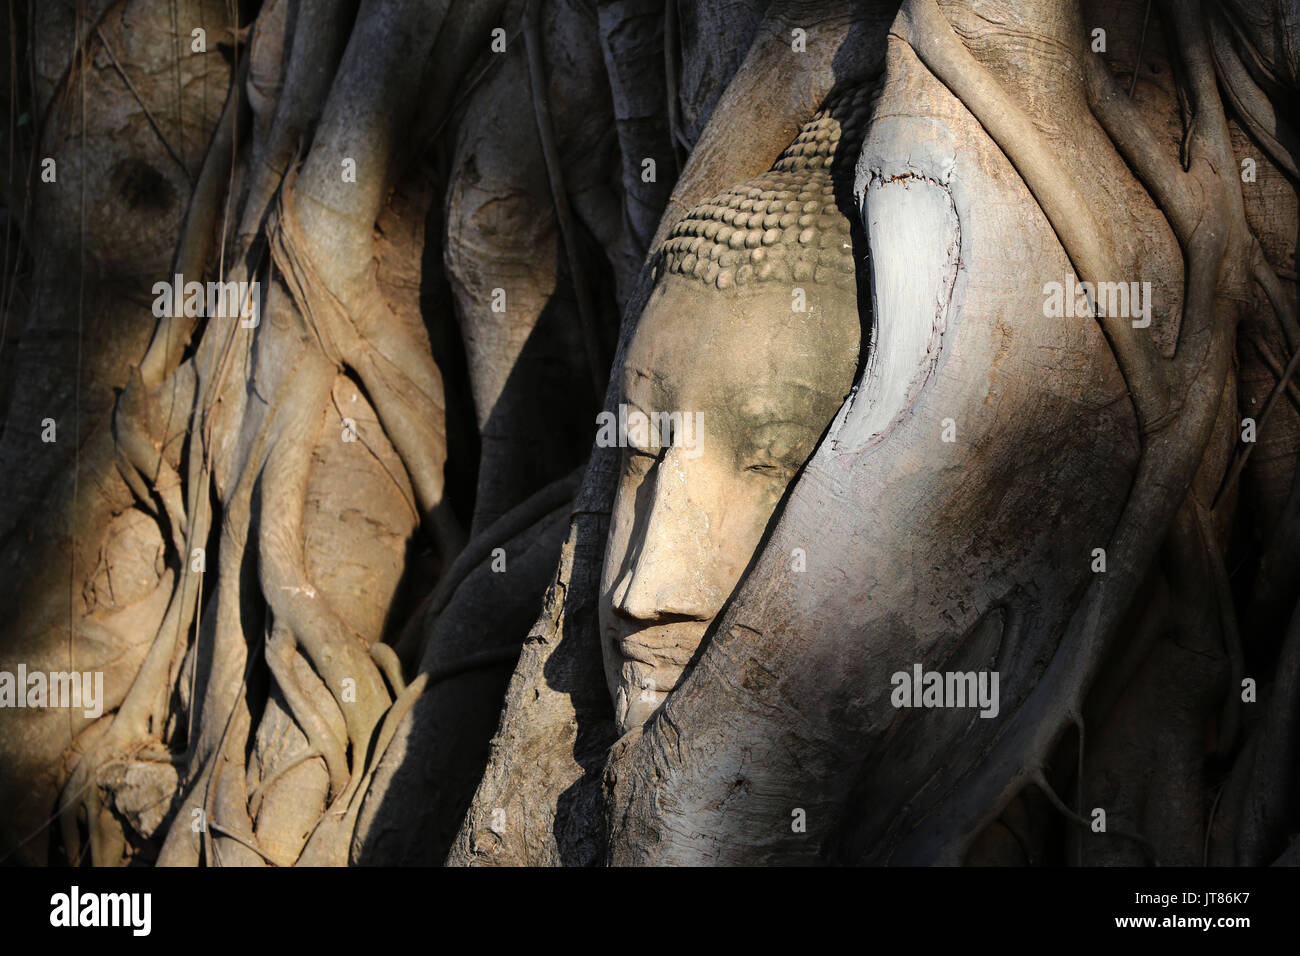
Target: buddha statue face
750,341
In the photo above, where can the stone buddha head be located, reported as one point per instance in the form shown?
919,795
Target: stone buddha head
744,352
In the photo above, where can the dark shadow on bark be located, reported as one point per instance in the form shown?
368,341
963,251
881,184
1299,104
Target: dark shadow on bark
444,741
436,305
576,668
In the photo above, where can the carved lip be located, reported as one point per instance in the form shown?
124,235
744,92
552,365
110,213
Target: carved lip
661,645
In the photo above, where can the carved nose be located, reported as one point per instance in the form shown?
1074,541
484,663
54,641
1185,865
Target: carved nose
660,591
672,576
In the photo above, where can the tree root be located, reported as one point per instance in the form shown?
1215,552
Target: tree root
1174,443
545,500
320,735
1067,209
1041,780
598,365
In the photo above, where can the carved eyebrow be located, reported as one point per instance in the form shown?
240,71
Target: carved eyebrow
637,374
765,412
762,434
759,422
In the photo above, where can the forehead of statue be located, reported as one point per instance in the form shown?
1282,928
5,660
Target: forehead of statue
707,350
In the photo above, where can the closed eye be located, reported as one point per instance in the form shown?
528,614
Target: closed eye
639,461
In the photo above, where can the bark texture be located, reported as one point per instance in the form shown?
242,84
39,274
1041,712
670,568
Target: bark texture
340,566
